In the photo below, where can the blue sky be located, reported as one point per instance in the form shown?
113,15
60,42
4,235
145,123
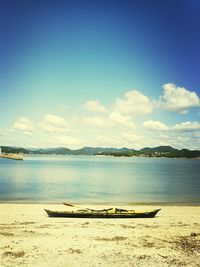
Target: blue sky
100,73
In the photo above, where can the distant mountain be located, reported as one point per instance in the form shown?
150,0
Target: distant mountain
87,151
58,151
160,151
96,150
63,150
189,154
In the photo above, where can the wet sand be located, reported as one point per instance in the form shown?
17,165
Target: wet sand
28,237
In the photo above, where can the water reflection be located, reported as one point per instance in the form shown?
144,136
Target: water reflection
77,178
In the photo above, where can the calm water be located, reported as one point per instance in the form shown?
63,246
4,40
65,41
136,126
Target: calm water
99,179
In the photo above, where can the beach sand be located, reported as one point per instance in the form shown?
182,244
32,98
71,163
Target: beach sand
28,237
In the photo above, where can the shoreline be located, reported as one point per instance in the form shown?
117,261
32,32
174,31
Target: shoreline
26,156
108,203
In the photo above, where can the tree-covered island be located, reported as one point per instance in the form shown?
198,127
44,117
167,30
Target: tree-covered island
158,152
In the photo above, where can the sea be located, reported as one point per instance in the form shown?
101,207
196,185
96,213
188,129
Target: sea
99,179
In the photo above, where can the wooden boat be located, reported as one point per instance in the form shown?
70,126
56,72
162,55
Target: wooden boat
105,213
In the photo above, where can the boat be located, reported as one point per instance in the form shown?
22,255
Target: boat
104,213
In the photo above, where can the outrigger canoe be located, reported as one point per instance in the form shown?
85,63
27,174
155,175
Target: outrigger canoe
105,213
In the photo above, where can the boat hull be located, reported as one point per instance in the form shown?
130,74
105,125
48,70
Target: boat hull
102,214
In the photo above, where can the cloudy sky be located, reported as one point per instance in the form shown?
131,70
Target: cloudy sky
100,73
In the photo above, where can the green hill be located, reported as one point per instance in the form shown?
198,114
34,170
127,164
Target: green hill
160,151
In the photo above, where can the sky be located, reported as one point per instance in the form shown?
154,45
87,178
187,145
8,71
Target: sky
100,73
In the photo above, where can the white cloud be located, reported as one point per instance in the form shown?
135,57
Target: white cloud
155,126
96,122
24,124
187,126
131,137
133,103
52,123
116,125
94,106
114,119
65,141
121,120
28,133
180,127
178,99
107,141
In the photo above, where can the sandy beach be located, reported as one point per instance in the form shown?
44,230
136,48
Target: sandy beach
28,237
